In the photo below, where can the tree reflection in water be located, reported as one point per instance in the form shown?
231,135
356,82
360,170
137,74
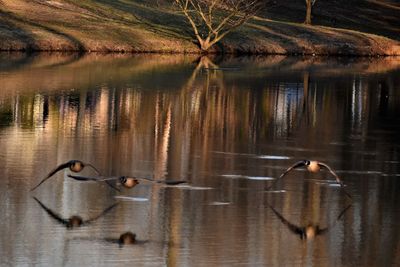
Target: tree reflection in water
169,117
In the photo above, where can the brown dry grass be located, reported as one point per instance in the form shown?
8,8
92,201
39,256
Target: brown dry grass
144,26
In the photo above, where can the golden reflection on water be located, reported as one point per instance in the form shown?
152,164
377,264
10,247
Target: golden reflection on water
212,122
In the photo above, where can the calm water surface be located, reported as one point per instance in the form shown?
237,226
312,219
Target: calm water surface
227,126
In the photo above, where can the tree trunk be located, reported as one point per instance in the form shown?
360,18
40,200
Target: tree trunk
205,45
308,12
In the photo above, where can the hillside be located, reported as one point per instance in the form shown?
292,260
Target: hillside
352,27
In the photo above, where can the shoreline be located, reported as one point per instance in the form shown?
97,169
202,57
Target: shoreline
383,47
195,53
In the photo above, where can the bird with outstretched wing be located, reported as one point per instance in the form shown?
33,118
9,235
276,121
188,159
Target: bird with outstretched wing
74,165
126,181
311,166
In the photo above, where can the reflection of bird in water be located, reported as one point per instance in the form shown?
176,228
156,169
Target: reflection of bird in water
128,182
127,238
312,166
74,221
73,165
310,231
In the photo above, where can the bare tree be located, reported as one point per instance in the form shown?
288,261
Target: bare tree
212,20
309,5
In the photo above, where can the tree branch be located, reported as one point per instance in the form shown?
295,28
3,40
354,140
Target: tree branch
217,18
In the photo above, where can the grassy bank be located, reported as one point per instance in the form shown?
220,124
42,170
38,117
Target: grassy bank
152,26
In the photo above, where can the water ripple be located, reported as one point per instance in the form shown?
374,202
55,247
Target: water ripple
139,199
238,176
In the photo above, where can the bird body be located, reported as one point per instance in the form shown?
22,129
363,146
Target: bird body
76,166
128,182
313,166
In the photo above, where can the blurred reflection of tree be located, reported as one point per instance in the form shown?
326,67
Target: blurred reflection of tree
208,112
383,97
162,132
306,112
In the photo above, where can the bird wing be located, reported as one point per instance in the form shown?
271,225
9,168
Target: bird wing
173,182
343,212
112,186
148,180
143,179
167,182
338,180
338,217
93,167
96,179
84,178
292,227
52,214
58,168
294,166
322,231
323,165
109,178
101,214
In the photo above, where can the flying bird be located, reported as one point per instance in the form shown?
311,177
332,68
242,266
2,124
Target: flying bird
74,165
312,166
75,220
310,231
126,181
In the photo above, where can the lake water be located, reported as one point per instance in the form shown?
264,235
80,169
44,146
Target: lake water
227,126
